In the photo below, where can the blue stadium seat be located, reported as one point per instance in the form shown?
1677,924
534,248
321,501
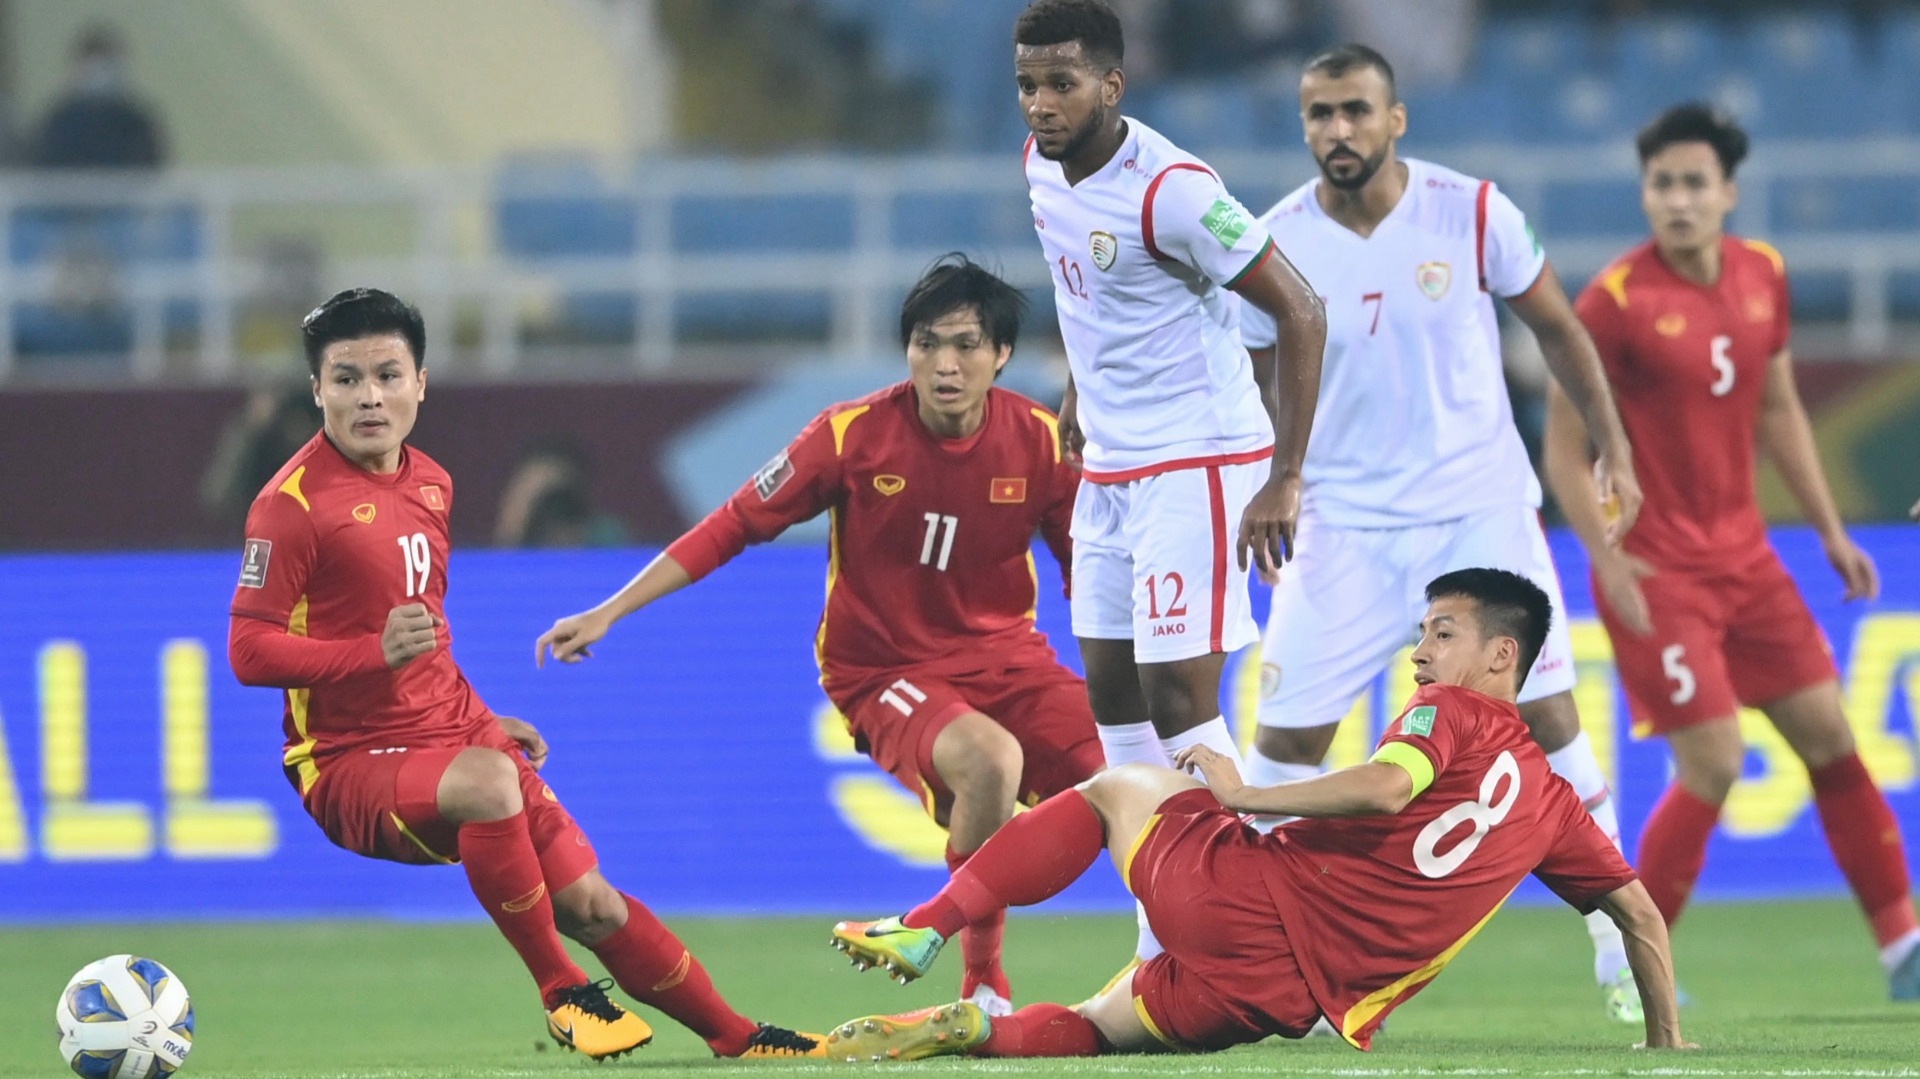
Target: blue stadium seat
1205,116
1660,62
1813,79
754,316
1592,208
759,223
120,233
1530,53
1822,296
1903,294
1461,114
962,220
1845,204
1580,109
560,208
1897,45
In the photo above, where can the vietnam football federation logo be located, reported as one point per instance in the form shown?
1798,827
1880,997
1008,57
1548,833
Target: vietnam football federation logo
364,513
889,485
1105,247
1434,278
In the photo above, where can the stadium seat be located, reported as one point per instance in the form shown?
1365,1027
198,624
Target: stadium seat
753,316
762,223
123,234
1530,53
1873,204
1822,295
561,208
1592,208
1206,116
1460,114
962,220
1660,62
1813,79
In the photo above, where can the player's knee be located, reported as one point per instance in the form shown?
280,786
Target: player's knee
979,759
1295,745
1709,775
589,910
480,785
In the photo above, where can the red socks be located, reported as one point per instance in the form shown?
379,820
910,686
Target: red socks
1865,837
980,944
651,965
1042,1030
504,872
1673,848
1033,857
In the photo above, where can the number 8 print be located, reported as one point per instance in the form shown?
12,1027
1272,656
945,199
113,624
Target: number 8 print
1484,814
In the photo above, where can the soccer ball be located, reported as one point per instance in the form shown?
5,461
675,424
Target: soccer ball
124,1017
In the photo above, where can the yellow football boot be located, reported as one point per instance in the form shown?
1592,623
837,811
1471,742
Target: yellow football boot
585,1020
948,1030
779,1043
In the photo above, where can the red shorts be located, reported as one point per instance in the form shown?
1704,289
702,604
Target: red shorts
1228,975
381,801
1720,640
894,719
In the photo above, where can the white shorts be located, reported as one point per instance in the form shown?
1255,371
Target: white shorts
1353,597
1154,562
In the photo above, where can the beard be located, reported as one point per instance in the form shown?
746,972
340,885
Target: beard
1079,138
1368,167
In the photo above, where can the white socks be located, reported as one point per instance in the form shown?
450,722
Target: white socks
1213,734
1132,743
1896,953
1575,763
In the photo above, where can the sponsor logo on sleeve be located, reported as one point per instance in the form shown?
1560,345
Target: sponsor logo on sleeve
1536,240
1105,247
1227,221
1434,278
1008,489
1419,721
772,476
253,563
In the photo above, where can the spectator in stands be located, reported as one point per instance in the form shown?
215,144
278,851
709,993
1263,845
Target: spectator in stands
99,123
548,501
271,427
1430,42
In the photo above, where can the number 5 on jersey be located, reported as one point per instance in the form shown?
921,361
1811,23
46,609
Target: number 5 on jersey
419,559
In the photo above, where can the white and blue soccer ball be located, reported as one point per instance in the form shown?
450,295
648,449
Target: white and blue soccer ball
124,1017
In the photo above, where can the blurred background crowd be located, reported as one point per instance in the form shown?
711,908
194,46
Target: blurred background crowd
651,237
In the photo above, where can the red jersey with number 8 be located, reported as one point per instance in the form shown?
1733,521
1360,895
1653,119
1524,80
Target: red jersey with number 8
1375,907
330,550
1688,364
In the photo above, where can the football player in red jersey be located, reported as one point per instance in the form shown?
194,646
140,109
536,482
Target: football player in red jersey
341,603
1692,327
1348,912
935,487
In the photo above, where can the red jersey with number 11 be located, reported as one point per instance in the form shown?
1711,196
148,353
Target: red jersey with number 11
1688,364
1375,907
929,565
331,549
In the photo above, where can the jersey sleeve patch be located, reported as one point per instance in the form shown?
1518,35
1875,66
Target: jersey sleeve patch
253,563
1226,221
1420,721
773,475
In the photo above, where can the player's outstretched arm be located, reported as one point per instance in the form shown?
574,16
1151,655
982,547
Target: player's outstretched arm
1292,389
568,639
1787,435
1575,364
1364,790
1570,478
1645,933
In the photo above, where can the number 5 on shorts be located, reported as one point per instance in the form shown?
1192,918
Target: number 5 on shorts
1673,662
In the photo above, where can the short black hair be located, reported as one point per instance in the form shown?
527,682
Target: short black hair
1696,121
362,312
1090,22
954,282
1339,60
1510,606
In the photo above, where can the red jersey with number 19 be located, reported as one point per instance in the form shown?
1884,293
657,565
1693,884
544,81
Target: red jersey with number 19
331,549
1688,364
929,563
1375,907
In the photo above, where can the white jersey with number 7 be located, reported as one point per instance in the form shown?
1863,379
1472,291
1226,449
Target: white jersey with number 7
1413,425
1143,253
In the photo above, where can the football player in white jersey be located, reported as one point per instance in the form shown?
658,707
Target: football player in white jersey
1415,468
1180,446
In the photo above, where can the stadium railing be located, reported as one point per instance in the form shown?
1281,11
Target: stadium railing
710,248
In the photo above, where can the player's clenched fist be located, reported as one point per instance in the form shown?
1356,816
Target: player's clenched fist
410,634
569,639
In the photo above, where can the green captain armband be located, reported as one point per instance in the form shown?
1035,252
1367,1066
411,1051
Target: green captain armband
1410,760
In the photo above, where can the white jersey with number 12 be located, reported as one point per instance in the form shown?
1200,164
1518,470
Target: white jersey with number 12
1143,252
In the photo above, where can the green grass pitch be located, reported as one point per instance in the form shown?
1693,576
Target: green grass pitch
1780,989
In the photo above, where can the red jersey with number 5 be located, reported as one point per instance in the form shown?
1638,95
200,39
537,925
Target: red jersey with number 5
331,549
1688,364
929,564
1375,907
